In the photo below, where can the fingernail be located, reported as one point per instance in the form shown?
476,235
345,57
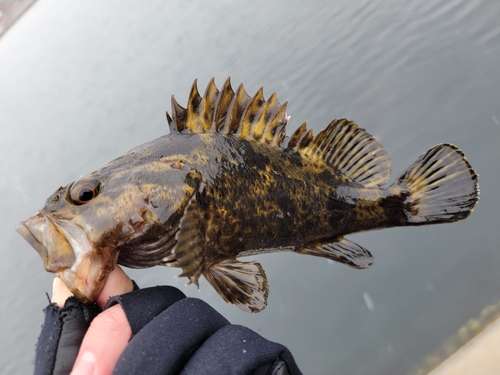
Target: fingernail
85,365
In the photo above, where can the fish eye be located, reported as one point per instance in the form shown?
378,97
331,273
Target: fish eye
84,191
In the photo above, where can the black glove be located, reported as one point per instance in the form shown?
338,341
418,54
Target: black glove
61,336
172,334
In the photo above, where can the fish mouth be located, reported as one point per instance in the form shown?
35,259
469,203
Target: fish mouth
66,251
25,232
46,238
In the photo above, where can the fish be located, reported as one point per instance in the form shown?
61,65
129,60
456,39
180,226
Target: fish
227,182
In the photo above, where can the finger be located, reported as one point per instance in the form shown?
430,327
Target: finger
60,293
118,283
106,338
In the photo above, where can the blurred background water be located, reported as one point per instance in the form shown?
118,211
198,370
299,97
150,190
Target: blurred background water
82,82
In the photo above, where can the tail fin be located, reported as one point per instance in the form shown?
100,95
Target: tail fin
442,186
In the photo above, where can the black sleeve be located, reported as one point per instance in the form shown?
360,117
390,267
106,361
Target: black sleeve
173,334
61,336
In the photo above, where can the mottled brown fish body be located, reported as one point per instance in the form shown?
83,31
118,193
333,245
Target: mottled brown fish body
227,182
260,199
274,199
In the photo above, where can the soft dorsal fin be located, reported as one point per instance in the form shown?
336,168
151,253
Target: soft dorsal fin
348,148
230,112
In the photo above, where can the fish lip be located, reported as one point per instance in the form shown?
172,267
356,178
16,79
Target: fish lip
46,237
25,231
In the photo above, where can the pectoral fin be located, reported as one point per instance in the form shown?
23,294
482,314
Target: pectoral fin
340,250
188,251
241,283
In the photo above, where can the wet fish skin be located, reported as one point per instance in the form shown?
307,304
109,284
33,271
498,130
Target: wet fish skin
227,182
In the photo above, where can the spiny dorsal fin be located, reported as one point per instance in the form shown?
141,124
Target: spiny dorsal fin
228,112
348,148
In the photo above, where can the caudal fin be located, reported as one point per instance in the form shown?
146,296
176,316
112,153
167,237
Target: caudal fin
442,186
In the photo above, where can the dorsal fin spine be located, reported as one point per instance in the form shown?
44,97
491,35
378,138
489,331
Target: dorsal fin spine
232,106
277,119
271,110
243,100
280,136
194,123
169,120
179,116
230,112
221,106
235,110
263,118
297,136
305,140
250,117
209,102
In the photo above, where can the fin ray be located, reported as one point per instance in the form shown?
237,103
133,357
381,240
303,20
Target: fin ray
236,109
187,253
208,112
339,249
194,120
441,186
352,151
241,283
229,112
221,105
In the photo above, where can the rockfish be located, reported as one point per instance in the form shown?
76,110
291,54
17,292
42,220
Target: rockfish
227,182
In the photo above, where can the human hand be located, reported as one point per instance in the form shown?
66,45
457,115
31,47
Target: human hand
151,330
109,332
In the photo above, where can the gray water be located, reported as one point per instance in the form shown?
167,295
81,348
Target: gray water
82,82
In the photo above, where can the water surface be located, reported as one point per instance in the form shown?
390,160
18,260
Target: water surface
83,82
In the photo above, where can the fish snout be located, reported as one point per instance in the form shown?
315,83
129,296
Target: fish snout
45,237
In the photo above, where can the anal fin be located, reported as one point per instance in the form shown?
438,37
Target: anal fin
340,250
241,283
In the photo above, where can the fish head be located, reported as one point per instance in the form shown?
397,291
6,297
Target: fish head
83,226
